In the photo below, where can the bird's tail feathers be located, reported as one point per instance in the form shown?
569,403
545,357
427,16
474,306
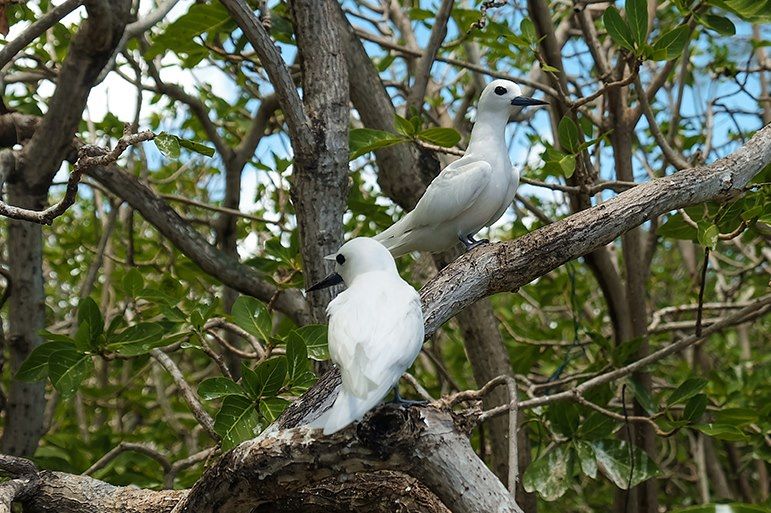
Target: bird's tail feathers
348,408
396,236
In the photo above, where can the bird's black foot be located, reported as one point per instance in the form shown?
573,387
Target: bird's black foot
470,242
399,400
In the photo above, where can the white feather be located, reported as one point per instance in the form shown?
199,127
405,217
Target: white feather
470,193
375,331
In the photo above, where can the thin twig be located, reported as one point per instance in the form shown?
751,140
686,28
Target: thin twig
126,447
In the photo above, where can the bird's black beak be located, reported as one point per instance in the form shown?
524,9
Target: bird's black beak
332,279
524,101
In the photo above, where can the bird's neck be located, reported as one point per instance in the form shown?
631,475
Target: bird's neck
489,132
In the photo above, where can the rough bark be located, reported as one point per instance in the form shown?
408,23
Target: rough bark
322,172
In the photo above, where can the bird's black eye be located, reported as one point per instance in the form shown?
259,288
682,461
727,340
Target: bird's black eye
500,90
340,259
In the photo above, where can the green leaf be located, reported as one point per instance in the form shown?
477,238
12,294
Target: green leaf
444,137
266,379
82,338
564,417
197,147
251,315
179,36
133,282
88,312
138,339
676,228
404,126
671,44
215,388
550,475
296,357
236,421
587,458
686,390
365,140
527,29
643,396
67,369
637,16
613,461
695,407
708,235
315,338
596,426
719,24
272,407
736,416
549,68
567,132
617,28
722,432
756,11
35,367
167,144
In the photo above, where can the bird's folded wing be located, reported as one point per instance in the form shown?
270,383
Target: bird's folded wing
451,193
379,335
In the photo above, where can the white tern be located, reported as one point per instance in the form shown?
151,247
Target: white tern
375,329
471,193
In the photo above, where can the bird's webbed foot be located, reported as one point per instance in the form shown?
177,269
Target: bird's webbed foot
399,400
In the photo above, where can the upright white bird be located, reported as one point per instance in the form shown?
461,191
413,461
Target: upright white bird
375,329
470,193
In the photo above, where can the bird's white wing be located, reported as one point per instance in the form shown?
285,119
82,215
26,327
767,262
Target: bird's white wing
451,193
374,331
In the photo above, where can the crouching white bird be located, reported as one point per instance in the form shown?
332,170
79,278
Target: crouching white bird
375,329
471,193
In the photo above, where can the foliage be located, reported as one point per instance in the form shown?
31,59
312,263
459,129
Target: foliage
148,296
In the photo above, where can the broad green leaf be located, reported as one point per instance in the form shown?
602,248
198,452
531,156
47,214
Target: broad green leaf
720,24
197,147
617,28
587,458
549,68
251,315
686,390
613,460
444,137
315,338
643,396
236,421
365,140
564,417
167,144
215,388
596,426
637,16
133,282
695,407
296,357
567,132
266,379
35,367
550,475
179,36
67,368
676,228
671,44
82,338
527,29
138,339
88,312
404,126
722,432
708,235
756,11
272,407
735,416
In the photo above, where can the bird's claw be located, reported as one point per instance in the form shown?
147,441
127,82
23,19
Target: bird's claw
400,401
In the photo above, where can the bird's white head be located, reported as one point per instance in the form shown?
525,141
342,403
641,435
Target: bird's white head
502,95
356,257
